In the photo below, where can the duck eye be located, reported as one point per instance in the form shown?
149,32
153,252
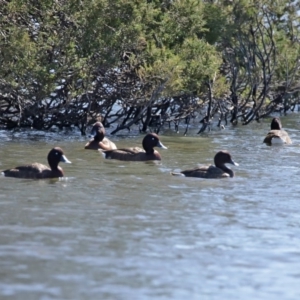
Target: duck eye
153,139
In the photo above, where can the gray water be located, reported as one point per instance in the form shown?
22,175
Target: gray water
128,230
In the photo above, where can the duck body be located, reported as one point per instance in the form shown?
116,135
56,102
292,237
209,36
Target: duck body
217,171
150,141
104,144
206,172
277,135
132,154
40,171
34,171
99,140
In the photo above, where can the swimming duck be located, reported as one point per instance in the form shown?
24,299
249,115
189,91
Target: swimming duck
40,171
277,135
217,171
150,141
99,140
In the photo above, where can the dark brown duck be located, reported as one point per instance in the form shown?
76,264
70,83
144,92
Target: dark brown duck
150,141
40,171
99,140
277,135
217,171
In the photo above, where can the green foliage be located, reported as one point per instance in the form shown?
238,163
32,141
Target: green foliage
79,35
202,63
175,47
216,23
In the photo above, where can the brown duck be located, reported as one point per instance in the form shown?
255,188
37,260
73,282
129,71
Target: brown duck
217,171
40,171
150,141
277,135
99,140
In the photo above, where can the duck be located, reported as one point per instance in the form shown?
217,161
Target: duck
40,171
99,140
150,141
277,135
218,171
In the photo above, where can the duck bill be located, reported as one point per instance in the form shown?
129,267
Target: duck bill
234,163
160,145
65,160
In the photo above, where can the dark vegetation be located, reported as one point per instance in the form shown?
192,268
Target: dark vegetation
146,63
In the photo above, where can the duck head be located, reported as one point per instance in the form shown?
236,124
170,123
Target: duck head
223,157
276,124
55,156
98,131
150,141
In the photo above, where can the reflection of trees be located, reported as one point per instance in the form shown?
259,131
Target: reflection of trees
148,64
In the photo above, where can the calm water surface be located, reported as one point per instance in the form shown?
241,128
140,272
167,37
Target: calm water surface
126,230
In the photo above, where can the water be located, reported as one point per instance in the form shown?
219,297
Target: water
127,230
